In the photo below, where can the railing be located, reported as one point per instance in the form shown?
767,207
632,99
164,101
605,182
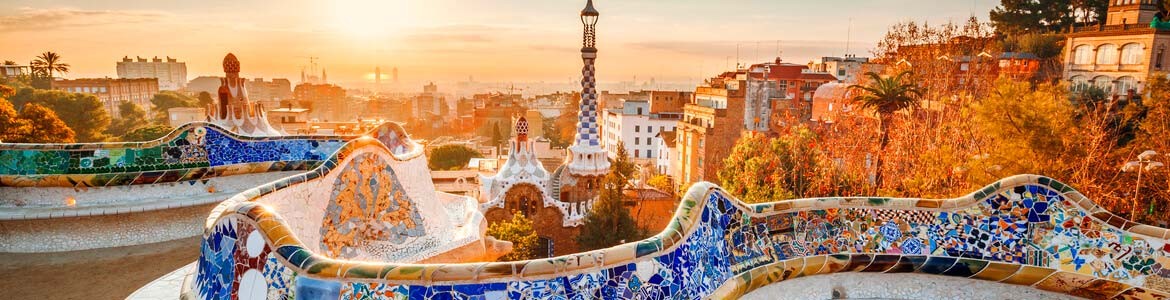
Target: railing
1109,28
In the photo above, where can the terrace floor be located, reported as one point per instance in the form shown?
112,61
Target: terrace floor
110,273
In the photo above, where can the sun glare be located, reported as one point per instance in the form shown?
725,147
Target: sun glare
371,18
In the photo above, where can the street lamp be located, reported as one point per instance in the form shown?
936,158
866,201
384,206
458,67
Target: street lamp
1146,163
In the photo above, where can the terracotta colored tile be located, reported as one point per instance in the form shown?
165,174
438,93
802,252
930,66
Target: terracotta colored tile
1028,275
997,271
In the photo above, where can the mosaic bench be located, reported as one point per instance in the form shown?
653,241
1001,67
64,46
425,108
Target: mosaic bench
195,151
1027,230
69,197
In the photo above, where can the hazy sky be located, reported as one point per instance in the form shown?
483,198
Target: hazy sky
448,40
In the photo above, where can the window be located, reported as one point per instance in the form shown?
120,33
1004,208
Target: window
964,66
637,128
661,128
1083,55
1125,84
637,141
1107,54
1131,54
1078,83
649,129
636,152
639,111
1104,83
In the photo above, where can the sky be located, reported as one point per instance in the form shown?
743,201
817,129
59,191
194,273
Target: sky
453,40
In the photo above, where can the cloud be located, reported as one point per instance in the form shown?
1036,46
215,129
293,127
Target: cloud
28,19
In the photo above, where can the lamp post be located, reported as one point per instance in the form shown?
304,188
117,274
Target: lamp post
1145,162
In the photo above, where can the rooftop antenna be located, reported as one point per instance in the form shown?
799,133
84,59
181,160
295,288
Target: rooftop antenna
777,48
737,56
757,58
849,37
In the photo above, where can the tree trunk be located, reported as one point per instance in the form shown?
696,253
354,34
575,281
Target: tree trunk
884,132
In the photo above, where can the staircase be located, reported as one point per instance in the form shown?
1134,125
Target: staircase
555,183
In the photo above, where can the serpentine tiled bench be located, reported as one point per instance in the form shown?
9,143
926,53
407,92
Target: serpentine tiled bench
194,151
66,197
1029,231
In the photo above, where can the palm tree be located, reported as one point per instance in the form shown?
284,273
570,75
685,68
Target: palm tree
9,63
48,62
886,96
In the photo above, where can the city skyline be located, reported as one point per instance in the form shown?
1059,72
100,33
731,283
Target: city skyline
449,41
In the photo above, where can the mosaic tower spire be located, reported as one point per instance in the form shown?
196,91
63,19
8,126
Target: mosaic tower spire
586,155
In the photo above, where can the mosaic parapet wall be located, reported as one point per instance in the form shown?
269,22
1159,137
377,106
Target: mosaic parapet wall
1026,230
194,151
365,203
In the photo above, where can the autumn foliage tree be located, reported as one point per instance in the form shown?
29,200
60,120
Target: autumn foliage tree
83,113
519,231
34,124
609,222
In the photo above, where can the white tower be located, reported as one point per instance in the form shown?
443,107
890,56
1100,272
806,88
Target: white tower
586,156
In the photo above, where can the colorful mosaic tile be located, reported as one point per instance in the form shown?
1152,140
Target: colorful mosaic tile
1029,225
192,152
367,204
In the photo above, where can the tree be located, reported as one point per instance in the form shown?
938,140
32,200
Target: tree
44,126
552,132
661,182
205,99
451,157
519,231
763,169
49,62
1044,16
497,137
147,133
609,223
132,117
84,113
886,96
166,100
12,128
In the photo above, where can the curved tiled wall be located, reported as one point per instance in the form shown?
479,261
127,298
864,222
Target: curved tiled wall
1025,230
193,151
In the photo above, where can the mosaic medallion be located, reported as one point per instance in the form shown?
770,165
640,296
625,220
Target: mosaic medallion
368,204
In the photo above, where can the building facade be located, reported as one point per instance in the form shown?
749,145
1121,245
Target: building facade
177,116
635,125
270,93
1120,55
846,69
430,105
171,74
10,71
708,130
113,92
665,151
326,102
